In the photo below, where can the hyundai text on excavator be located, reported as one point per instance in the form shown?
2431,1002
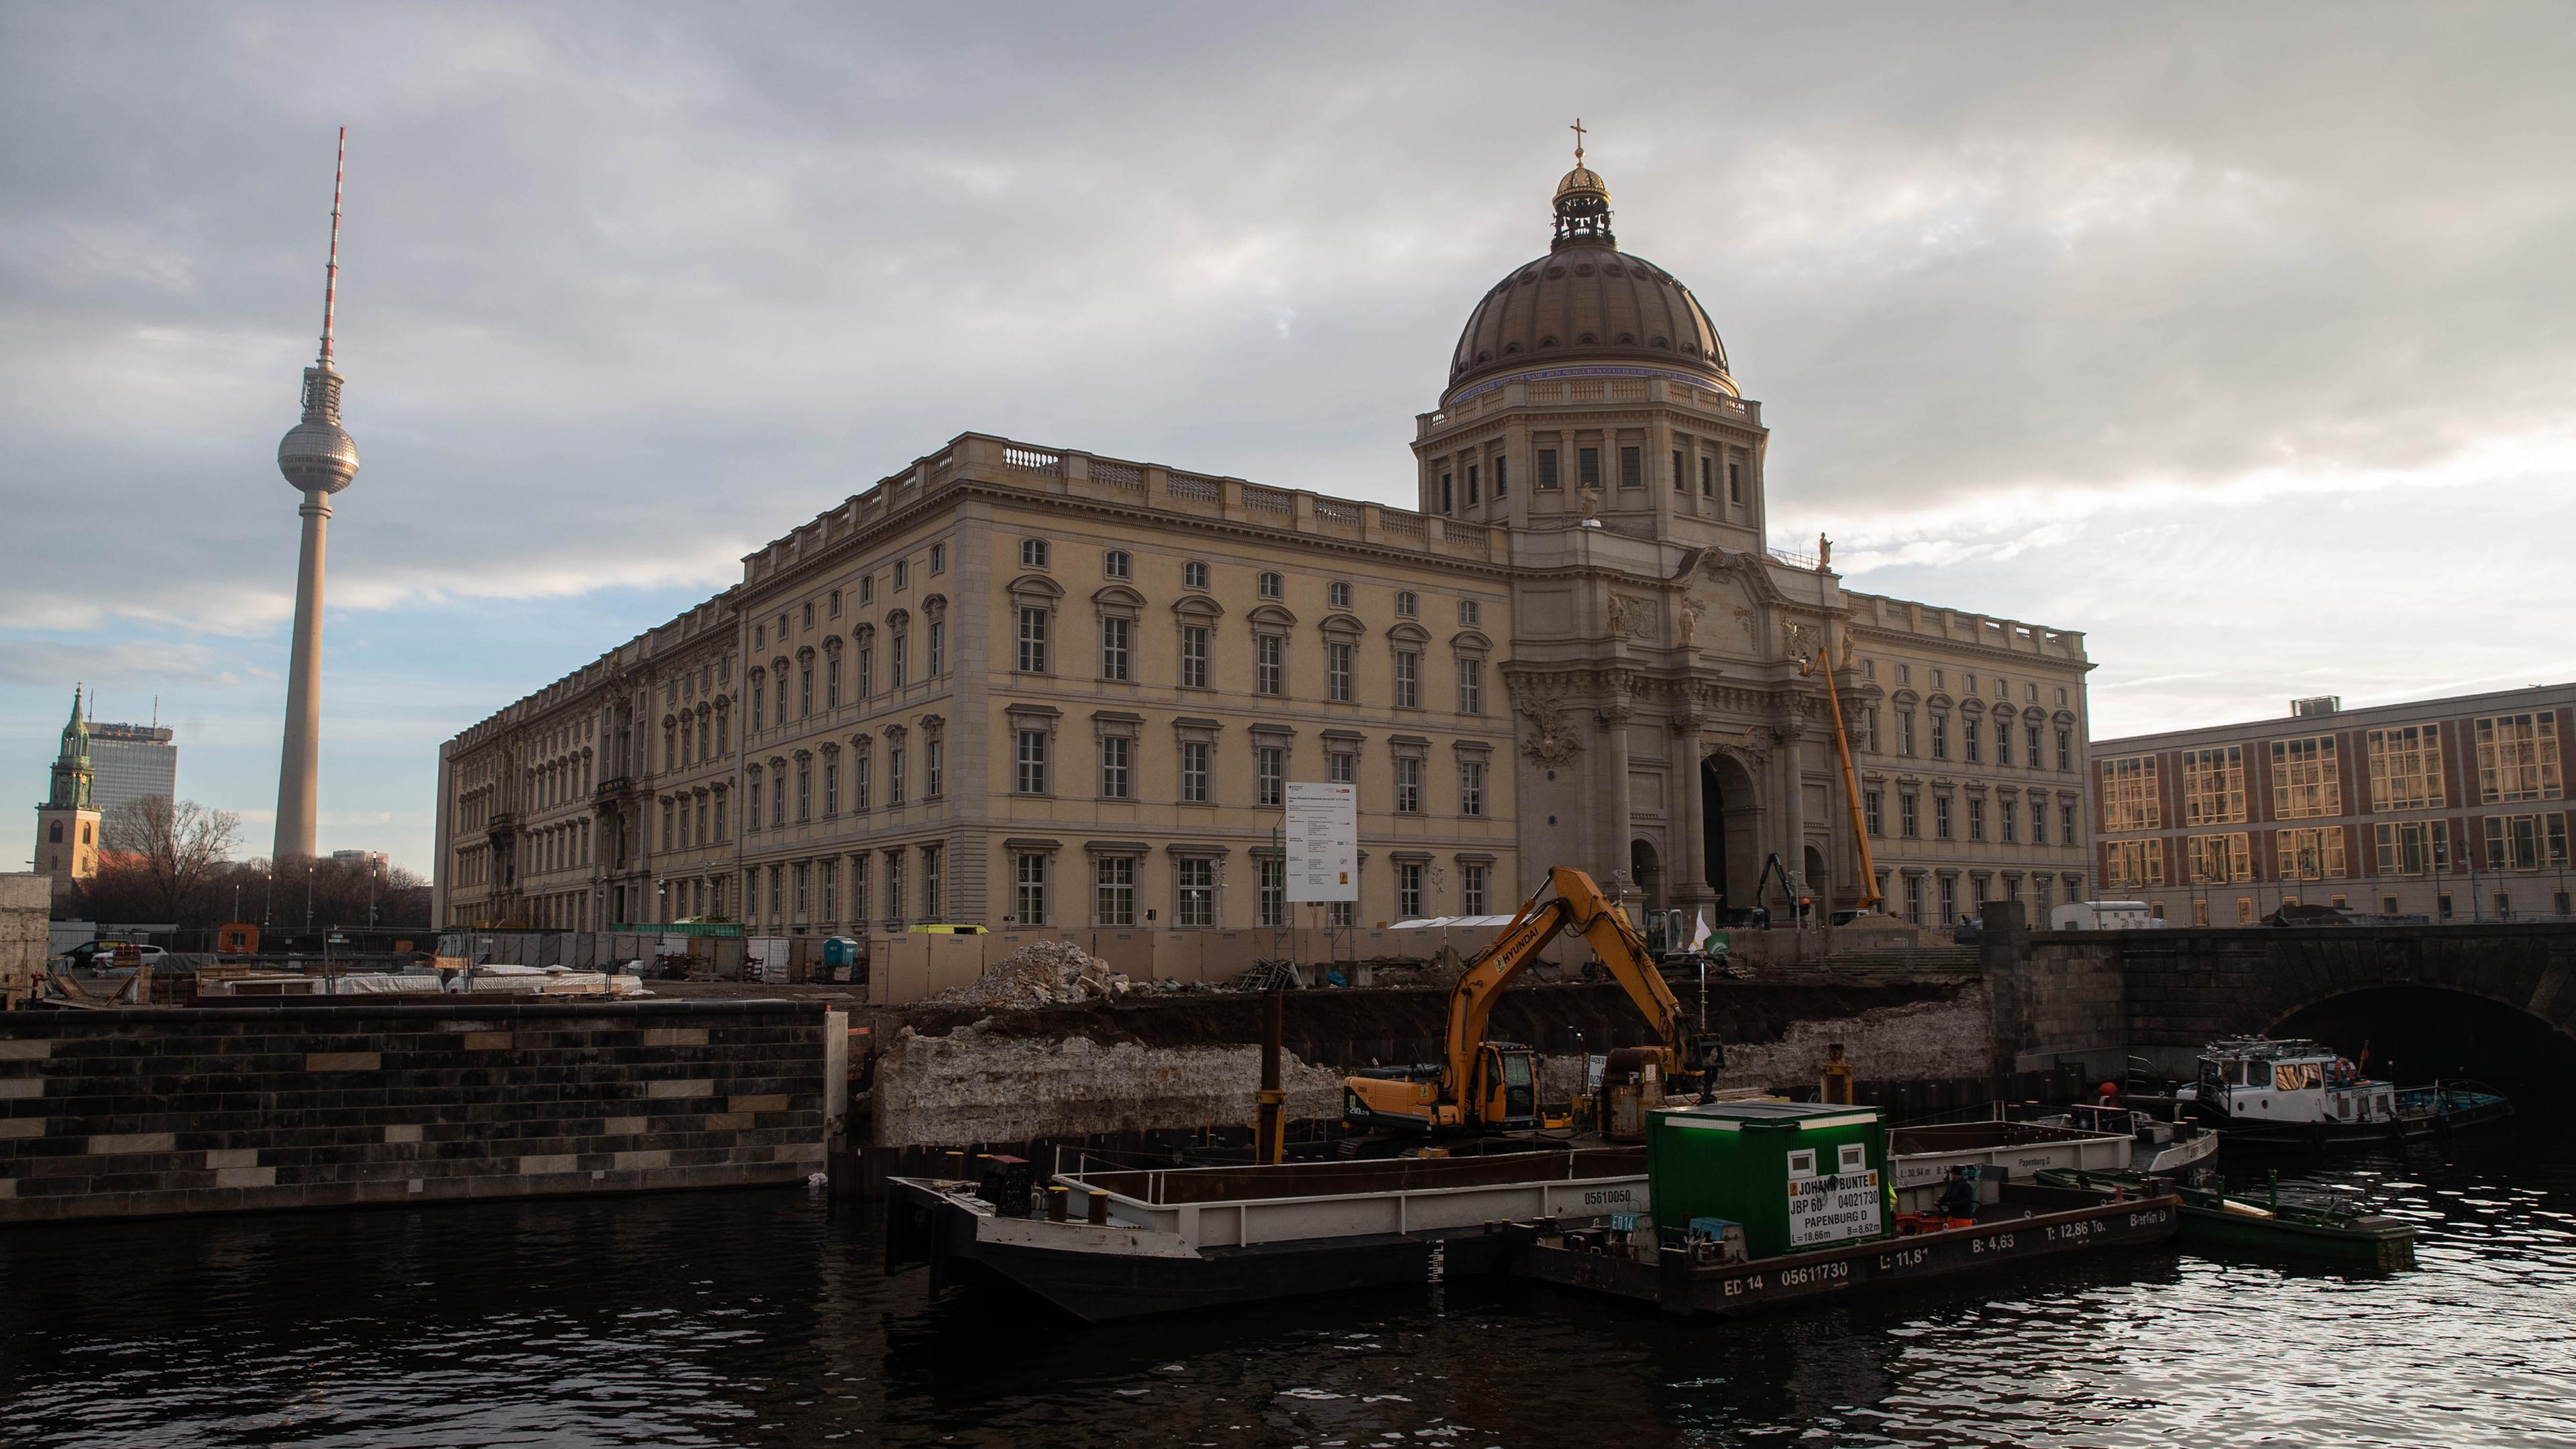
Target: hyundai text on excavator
1488,1086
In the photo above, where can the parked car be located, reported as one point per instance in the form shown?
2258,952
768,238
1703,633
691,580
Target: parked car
100,955
2103,916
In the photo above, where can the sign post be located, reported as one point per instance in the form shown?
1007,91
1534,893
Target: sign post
1321,843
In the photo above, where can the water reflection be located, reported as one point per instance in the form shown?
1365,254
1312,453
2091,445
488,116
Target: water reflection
761,1318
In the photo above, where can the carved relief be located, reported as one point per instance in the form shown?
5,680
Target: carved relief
1802,640
1630,618
1551,740
1752,624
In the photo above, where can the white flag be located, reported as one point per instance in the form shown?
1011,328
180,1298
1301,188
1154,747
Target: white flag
1701,935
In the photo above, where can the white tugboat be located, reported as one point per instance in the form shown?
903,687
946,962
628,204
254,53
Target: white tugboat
2302,1094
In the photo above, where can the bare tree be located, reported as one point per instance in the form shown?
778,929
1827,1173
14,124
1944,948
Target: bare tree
177,846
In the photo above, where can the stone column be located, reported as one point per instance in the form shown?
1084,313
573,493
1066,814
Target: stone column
1610,803
1691,889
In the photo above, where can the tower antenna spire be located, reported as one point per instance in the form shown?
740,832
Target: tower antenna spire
331,272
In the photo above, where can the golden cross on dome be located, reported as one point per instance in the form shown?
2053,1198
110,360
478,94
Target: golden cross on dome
1577,129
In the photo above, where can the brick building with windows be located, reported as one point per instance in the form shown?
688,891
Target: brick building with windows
2453,809
1015,684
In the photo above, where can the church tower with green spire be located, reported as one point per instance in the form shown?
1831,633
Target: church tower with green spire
67,823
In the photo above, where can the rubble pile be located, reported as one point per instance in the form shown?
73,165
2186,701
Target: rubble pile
1042,973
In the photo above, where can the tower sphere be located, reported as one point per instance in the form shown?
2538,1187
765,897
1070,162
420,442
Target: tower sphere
317,456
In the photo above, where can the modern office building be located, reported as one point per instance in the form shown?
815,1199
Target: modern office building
2453,809
1015,683
131,762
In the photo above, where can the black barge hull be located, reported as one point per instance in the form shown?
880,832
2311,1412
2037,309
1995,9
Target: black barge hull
1681,1286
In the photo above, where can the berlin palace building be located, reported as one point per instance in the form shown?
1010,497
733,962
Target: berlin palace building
1020,684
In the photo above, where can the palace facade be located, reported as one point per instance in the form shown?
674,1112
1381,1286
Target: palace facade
1020,684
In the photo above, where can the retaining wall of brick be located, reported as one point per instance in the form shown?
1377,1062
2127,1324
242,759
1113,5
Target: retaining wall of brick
142,1112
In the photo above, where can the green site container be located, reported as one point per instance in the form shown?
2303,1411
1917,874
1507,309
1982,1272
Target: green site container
1799,1176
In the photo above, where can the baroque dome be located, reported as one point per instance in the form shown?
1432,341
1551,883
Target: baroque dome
1587,301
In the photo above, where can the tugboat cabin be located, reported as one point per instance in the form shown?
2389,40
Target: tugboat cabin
2258,1079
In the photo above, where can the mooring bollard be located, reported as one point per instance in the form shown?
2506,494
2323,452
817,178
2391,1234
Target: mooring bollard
1097,1210
1057,1200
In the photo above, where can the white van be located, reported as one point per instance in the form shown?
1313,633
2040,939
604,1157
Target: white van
2103,916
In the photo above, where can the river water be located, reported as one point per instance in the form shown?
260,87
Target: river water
761,1318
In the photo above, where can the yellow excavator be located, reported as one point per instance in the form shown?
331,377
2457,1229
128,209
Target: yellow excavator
1491,1086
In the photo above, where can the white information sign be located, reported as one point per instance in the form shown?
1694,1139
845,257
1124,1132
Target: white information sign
1835,1209
1323,842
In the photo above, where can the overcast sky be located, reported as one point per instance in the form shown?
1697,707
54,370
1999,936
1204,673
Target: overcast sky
2239,338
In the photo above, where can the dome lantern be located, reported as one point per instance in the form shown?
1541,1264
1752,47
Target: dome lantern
1582,203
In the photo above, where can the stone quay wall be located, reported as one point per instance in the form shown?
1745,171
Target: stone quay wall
133,1113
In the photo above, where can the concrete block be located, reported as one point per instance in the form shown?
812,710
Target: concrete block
487,1041
21,1050
22,1127
344,1061
224,1157
21,1088
131,1142
246,1177
671,1036
692,1088
773,1102
726,1121
403,1132
555,1162
624,1126
634,1161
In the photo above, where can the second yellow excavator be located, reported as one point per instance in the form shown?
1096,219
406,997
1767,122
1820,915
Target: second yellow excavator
1482,1085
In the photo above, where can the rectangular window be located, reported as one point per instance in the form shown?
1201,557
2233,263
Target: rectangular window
2518,758
1194,656
2066,823
2526,842
1502,484
1707,477
1408,787
1337,672
1949,898
1448,494
755,800
832,680
1194,772
2219,859
859,771
1905,732
1269,664
894,774
866,680
1681,472
1032,775
2010,819
1033,643
2405,767
1734,482
778,805
1914,900
867,590
1474,492
831,787
1869,805
931,882
1113,767
1341,767
2030,743
1194,893
777,891
1269,774
805,691
1274,892
1471,789
2134,863
1940,817
2065,746
1029,888
1114,890
1587,467
894,885
2304,784
899,662
1547,470
2003,744
1471,685
2414,847
804,792
2129,799
1908,819
1940,736
1408,679
934,757
2039,821
938,649
2213,786
1408,890
1632,467
1114,643
1471,889
802,873
1976,817
2310,854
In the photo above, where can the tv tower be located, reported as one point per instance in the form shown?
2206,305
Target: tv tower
319,458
